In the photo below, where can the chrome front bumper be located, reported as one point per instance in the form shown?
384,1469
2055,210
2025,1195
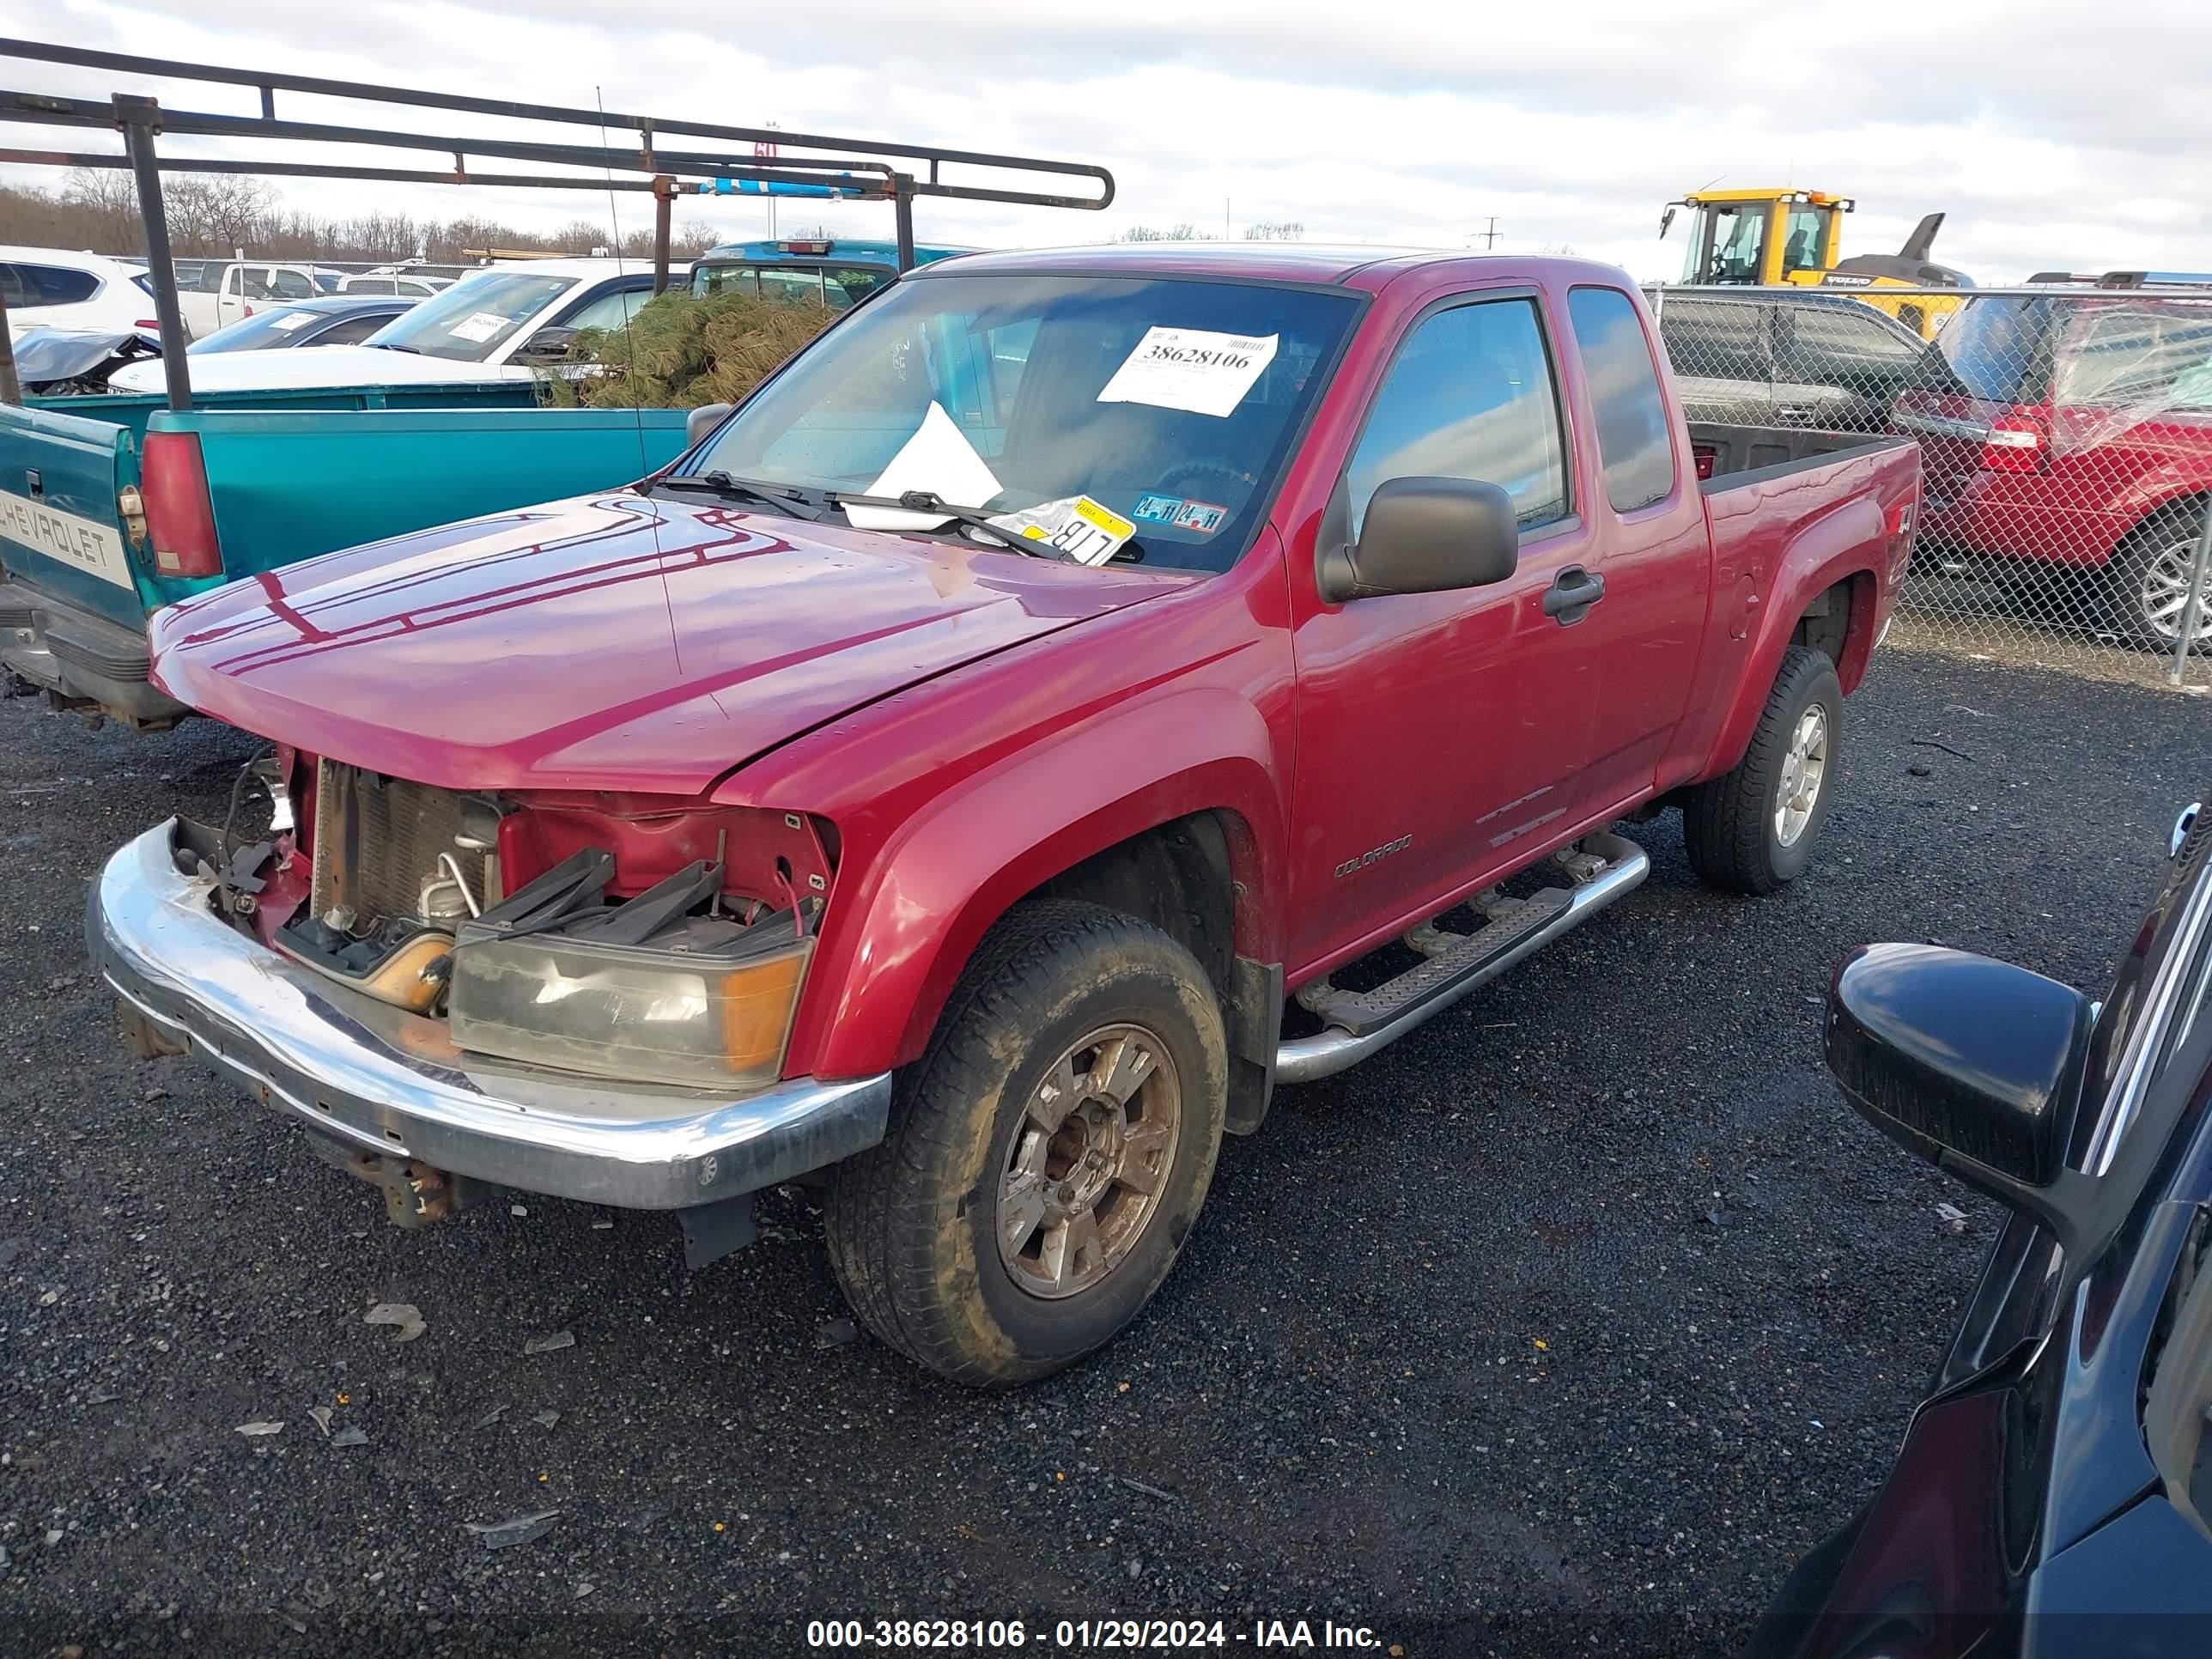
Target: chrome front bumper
380,1080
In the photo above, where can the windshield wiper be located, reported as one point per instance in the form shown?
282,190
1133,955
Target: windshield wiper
787,502
388,345
928,500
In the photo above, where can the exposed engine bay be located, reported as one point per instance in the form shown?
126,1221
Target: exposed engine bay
610,935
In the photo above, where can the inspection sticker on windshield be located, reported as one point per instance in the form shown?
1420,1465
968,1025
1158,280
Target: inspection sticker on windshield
479,326
293,319
1192,368
1202,517
1077,527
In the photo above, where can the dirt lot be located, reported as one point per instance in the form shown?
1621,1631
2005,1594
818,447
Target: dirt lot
1563,1326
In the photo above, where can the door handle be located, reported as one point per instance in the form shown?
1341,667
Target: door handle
1570,595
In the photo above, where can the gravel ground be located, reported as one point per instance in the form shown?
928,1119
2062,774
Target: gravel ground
1564,1326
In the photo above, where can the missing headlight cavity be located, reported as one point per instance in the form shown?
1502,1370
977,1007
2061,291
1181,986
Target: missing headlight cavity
667,988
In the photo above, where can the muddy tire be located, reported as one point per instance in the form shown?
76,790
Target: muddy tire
1752,829
2146,581
1047,1154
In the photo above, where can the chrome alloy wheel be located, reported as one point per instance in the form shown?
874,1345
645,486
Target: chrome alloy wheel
2166,590
1804,769
1089,1162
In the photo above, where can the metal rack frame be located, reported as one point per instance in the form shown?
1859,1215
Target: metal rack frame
854,166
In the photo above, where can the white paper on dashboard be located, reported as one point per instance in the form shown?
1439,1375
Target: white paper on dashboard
1193,368
937,458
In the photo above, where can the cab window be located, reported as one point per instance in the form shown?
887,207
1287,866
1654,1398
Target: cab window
613,310
1635,441
1804,238
1469,395
1739,242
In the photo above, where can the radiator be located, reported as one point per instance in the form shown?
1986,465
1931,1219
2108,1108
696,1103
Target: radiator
378,840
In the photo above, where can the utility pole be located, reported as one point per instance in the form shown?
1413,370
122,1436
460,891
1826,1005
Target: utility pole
1490,236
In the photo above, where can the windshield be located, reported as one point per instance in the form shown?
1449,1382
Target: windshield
475,317
272,326
1171,403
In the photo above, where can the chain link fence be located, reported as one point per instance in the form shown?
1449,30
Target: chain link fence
2066,436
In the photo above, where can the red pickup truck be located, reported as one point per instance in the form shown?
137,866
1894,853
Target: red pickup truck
1080,693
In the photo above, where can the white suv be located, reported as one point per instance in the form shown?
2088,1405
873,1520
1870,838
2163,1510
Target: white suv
51,287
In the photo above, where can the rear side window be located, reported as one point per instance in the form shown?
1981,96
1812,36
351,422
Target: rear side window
52,285
1634,441
1720,339
1470,395
2155,355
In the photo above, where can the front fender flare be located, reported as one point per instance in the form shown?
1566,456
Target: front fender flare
900,935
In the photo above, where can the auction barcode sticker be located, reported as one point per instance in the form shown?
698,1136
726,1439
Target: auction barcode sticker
1193,368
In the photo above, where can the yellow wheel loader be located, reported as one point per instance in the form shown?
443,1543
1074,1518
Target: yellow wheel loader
1770,238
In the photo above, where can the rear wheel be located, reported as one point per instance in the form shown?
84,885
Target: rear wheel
1047,1154
2147,580
1752,829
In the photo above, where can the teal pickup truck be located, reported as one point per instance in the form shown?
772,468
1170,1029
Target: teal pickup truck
112,507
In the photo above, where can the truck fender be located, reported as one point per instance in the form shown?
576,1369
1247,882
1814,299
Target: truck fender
1835,547
898,940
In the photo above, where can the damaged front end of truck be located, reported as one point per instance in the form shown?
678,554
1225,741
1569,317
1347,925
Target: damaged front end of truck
585,994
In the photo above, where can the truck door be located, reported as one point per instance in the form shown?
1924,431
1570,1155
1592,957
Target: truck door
1444,737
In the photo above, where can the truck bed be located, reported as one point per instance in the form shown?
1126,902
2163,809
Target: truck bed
289,476
1729,456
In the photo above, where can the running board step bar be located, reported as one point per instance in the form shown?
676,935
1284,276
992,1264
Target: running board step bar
1603,867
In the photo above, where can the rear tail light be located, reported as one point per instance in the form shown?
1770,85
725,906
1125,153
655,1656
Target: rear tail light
1704,455
179,517
249,311
2016,443
147,322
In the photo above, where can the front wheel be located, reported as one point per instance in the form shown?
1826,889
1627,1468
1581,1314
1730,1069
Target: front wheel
1047,1154
1752,829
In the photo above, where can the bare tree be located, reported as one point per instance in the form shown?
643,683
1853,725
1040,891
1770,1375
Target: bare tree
1185,232
215,212
1276,230
211,214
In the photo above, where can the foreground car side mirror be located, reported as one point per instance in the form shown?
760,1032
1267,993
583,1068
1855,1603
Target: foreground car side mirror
703,420
1425,535
1974,1064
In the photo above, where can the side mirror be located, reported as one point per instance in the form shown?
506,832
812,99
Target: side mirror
1426,536
1973,1064
703,420
1666,220
547,345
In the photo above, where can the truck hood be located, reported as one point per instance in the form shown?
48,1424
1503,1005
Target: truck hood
610,642
279,370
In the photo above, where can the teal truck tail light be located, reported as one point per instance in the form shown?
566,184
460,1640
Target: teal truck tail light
173,477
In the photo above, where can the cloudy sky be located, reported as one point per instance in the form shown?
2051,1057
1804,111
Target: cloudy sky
2054,135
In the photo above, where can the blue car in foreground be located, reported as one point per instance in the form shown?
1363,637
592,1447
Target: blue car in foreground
2053,1496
